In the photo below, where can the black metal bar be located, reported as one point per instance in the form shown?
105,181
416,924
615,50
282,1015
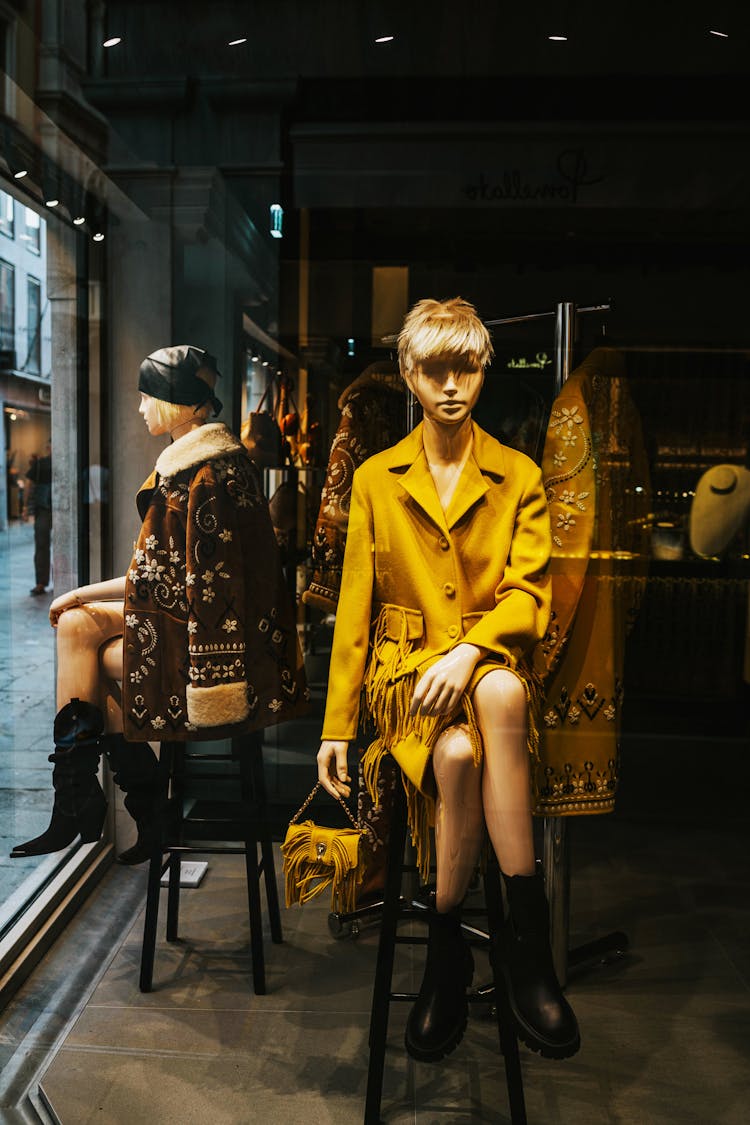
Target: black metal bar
148,948
384,967
259,795
505,1023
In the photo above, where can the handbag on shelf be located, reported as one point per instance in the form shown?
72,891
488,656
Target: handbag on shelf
261,436
316,858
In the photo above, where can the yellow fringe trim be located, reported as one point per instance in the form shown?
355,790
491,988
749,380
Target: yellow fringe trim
386,698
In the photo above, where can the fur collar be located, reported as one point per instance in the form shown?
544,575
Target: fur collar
207,443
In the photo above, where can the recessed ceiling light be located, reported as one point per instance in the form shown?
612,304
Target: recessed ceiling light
79,220
99,237
236,42
385,38
52,202
719,34
112,42
558,38
20,175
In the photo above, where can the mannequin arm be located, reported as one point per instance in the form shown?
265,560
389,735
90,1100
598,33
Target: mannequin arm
110,591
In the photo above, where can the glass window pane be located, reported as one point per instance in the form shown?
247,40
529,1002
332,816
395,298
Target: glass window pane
7,226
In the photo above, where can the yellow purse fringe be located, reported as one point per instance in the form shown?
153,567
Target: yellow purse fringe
386,698
316,858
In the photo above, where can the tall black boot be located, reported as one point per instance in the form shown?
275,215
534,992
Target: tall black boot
438,1019
138,773
80,805
545,1019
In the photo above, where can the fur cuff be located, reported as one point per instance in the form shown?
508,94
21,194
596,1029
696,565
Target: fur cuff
215,706
206,443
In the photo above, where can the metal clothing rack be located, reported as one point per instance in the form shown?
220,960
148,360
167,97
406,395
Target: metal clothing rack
556,859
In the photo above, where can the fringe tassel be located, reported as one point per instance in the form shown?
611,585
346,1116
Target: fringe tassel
317,858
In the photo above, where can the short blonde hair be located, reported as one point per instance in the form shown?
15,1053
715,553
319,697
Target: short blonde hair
440,330
170,414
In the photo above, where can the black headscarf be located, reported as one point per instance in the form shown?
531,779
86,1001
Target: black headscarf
171,374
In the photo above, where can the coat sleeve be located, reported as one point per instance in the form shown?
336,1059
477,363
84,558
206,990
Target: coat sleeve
217,692
522,598
351,636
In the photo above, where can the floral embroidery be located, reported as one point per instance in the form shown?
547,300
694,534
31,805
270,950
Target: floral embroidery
565,521
131,620
151,542
208,594
174,557
275,705
189,578
132,575
153,570
208,577
158,723
569,438
610,712
192,627
230,625
225,536
559,458
136,677
567,496
574,715
551,719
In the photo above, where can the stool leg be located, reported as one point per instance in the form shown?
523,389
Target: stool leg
384,968
256,920
258,782
173,896
148,949
505,1023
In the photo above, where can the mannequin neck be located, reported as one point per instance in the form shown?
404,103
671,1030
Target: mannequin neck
447,444
186,427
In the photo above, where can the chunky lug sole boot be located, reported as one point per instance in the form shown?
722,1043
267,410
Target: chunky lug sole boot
438,1019
545,1020
80,805
138,773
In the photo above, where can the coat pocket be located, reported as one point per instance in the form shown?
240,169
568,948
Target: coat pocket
397,632
469,620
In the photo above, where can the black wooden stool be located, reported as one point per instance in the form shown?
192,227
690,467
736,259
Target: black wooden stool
394,909
204,830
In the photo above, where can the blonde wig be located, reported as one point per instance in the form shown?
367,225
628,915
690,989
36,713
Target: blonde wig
441,330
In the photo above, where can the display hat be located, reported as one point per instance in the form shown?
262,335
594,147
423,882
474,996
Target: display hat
721,506
182,374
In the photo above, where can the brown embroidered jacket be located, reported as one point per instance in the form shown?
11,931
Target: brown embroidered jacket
210,644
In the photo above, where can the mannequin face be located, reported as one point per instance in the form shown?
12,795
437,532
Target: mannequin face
147,409
446,392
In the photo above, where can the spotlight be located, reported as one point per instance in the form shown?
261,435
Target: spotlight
719,34
79,220
277,220
255,358
385,38
52,202
112,42
558,38
236,42
20,175
98,237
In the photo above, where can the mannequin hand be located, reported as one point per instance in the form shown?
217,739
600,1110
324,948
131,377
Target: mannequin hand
333,772
442,685
59,605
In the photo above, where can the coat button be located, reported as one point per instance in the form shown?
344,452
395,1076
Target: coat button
453,631
449,590
444,544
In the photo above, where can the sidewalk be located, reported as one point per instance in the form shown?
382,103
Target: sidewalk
27,705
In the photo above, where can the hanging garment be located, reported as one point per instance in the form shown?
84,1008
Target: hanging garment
597,483
373,417
210,644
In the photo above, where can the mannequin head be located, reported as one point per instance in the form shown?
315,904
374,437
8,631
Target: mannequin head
443,349
177,386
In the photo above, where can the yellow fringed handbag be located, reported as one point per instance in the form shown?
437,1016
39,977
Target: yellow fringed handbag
316,858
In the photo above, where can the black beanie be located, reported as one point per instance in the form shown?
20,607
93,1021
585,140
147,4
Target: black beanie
171,374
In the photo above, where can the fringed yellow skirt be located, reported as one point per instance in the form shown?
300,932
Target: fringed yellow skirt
386,698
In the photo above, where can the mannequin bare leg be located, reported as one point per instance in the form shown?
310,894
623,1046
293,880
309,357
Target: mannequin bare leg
545,1020
438,1019
89,654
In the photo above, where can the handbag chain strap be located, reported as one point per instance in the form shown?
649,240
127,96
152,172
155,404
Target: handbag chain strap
340,800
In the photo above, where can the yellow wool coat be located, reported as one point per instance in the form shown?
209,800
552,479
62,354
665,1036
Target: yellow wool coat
417,581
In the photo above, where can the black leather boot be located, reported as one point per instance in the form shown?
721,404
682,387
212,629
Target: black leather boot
437,1021
138,773
545,1019
80,805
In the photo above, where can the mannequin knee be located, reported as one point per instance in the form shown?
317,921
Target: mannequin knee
501,694
453,751
78,626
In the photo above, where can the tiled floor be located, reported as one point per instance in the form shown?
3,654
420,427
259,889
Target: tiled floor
666,1030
